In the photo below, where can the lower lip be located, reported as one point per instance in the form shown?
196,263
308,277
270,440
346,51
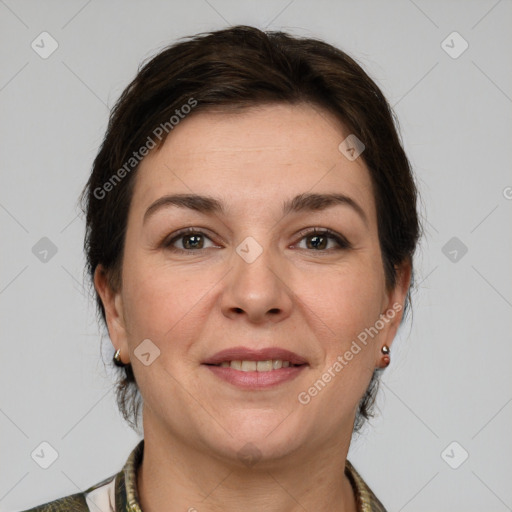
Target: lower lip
256,380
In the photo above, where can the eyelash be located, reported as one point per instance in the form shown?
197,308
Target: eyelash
343,243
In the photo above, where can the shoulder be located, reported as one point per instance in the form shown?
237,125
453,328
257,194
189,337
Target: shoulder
365,498
71,503
76,502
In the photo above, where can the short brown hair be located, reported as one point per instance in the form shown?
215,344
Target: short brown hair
241,67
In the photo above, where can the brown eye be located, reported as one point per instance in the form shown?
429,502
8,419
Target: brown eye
188,240
192,241
319,239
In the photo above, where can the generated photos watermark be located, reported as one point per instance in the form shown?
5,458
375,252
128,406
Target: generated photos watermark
342,360
151,142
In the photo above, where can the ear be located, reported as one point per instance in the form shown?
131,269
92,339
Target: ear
113,304
393,308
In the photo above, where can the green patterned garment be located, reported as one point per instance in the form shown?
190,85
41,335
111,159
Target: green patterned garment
118,493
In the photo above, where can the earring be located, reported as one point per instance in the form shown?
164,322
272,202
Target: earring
117,359
385,358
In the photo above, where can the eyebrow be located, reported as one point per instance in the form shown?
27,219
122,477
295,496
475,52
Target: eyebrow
300,203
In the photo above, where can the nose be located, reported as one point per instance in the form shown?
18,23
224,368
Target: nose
257,289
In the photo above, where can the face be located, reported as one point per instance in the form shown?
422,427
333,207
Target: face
268,271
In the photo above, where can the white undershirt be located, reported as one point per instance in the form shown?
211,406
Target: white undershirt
102,499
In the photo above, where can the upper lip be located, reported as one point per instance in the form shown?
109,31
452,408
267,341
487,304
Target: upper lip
249,354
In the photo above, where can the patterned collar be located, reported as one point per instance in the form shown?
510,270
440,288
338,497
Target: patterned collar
127,498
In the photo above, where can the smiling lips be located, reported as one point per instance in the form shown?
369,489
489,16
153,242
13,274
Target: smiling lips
255,369
256,366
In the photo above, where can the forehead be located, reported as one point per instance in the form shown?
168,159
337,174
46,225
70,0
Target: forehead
265,152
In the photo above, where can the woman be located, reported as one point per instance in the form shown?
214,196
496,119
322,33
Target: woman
251,225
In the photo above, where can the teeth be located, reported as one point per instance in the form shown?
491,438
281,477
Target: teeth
276,364
264,366
259,366
248,366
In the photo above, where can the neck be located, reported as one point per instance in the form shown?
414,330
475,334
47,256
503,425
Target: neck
181,477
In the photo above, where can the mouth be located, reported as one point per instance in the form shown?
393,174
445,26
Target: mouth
256,369
250,360
248,365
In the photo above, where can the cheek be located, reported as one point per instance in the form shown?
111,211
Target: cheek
346,301
344,304
164,304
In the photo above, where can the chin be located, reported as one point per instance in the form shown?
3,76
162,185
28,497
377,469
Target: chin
245,453
256,437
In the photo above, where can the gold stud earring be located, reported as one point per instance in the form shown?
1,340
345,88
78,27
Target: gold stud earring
117,359
385,358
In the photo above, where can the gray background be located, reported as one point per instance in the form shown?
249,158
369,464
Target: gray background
450,377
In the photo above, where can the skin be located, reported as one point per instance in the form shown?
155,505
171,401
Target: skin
313,302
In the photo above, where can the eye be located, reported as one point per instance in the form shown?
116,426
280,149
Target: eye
188,240
318,239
